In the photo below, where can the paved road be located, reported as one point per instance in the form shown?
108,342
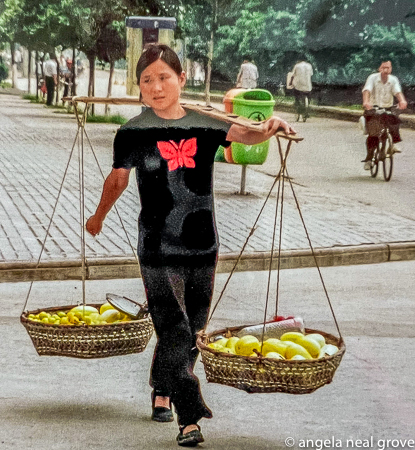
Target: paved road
67,404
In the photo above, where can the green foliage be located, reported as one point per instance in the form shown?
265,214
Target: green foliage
116,118
4,72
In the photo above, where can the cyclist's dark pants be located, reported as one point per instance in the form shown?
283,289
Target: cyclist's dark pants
374,123
299,97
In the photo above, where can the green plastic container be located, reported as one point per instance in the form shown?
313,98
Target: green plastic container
255,104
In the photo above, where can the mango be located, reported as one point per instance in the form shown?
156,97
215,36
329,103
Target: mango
296,349
274,345
246,345
317,337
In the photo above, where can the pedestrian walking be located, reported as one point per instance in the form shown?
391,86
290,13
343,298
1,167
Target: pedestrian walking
302,86
50,70
379,90
248,74
172,150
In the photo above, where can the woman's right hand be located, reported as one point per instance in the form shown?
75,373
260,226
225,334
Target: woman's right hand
94,225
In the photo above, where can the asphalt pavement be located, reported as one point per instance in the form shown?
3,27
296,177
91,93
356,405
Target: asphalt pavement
40,178
58,403
68,404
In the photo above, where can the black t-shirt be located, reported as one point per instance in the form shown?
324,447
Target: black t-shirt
174,166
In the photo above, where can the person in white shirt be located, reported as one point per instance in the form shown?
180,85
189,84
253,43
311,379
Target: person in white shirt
301,82
50,70
380,90
248,75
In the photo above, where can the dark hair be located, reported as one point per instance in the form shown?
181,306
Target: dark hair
158,51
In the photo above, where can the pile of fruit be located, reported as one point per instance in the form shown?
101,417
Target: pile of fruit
82,315
292,345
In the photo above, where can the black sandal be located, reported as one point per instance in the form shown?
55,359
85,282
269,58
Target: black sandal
190,439
160,413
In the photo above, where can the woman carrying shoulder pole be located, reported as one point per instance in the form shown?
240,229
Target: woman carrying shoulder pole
173,151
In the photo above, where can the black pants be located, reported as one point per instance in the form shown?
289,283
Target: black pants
299,102
50,87
179,300
373,124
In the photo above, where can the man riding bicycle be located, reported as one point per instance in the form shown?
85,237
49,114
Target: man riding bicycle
379,90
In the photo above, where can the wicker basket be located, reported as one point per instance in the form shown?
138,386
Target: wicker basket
88,341
268,375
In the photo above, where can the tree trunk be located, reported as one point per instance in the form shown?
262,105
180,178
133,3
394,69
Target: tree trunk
58,85
208,74
109,92
13,64
91,83
29,71
73,91
37,74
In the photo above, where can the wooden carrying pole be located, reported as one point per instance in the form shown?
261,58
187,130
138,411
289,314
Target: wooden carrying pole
205,110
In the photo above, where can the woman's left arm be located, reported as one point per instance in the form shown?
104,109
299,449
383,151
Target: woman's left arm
238,133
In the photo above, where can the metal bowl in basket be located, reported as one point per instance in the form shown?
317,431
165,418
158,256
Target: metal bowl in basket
88,341
257,374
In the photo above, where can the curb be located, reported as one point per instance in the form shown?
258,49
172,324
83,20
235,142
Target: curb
332,112
127,267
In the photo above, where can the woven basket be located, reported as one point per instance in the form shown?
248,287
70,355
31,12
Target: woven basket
252,374
88,341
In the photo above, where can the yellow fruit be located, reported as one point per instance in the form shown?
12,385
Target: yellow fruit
317,337
110,315
95,317
43,315
246,345
296,349
253,355
297,358
31,317
274,345
232,342
222,342
61,313
84,310
45,320
64,321
292,336
226,350
105,307
274,355
215,346
88,320
312,346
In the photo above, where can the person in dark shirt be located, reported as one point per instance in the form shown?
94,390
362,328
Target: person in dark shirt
172,150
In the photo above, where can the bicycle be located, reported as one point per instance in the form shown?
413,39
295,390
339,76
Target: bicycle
384,148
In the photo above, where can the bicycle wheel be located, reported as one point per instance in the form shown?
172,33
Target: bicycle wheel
388,161
374,164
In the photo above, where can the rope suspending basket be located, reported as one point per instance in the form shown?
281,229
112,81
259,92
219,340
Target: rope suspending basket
70,330
277,361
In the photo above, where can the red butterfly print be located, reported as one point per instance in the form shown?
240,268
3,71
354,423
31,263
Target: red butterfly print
178,155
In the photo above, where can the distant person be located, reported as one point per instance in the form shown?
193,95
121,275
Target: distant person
379,90
50,70
248,75
301,84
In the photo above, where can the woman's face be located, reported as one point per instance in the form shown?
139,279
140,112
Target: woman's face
160,88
